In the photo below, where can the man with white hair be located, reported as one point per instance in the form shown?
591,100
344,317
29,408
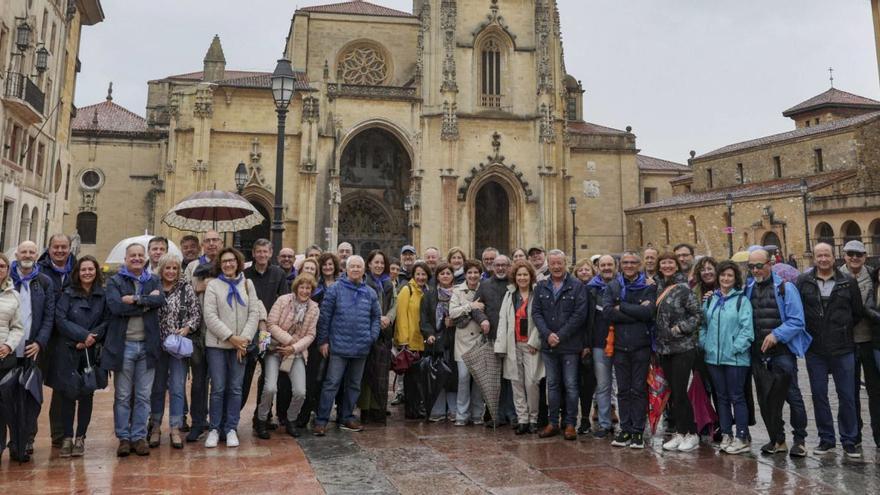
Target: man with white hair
347,327
344,251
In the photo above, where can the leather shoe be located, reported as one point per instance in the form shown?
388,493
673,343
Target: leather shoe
570,433
319,430
141,447
549,431
124,448
291,430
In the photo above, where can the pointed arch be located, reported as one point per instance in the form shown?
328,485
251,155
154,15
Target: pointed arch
516,201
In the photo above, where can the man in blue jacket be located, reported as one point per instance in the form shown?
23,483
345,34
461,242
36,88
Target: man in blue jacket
628,304
780,337
559,311
347,327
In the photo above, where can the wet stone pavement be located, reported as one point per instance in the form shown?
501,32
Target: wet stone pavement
412,457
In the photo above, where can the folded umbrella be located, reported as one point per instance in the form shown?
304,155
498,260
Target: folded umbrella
485,367
772,388
658,395
704,413
435,372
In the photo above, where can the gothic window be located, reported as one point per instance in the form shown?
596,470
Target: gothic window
491,74
87,227
364,65
571,107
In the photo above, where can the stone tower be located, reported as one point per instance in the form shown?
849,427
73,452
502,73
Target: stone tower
214,62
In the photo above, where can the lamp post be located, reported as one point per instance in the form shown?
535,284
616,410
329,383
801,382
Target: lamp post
729,202
573,205
804,191
283,81
241,177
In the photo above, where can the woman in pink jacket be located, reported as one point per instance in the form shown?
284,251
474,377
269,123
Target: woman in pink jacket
291,322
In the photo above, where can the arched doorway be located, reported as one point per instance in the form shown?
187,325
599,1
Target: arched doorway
771,239
374,176
851,232
491,218
248,237
824,233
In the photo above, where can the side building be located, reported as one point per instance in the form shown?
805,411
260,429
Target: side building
831,162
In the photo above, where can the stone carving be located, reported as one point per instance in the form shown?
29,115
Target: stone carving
255,168
493,18
174,105
424,27
591,188
449,130
335,196
363,218
310,109
543,35
363,65
548,134
200,166
371,92
448,15
591,166
204,105
494,161
89,200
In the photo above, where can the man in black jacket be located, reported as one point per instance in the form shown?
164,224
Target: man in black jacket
628,304
597,326
559,311
832,306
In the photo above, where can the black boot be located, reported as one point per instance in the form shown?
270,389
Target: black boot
291,430
260,429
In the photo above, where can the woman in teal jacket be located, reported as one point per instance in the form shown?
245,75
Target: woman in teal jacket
726,338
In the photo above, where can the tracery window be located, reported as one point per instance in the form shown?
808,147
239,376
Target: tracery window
363,65
491,74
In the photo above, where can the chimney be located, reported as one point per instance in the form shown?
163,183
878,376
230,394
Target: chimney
215,62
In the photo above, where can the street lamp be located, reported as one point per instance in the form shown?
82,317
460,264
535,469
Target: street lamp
42,62
283,81
23,36
241,177
573,205
804,191
729,202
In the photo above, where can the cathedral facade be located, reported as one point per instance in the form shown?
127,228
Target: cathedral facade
456,124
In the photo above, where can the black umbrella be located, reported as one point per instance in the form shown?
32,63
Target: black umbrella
772,388
435,372
21,395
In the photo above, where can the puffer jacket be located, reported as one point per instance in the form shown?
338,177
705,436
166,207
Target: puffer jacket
727,332
631,318
349,319
407,331
564,314
680,308
11,331
286,331
223,321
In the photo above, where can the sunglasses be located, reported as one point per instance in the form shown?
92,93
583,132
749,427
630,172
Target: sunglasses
756,266
853,254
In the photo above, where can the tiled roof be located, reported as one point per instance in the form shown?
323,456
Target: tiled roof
834,125
682,178
578,127
245,79
356,7
743,191
650,163
108,117
833,98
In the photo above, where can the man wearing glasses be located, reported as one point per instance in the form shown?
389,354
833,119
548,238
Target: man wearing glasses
778,318
855,256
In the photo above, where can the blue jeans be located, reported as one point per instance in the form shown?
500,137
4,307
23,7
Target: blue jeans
562,371
602,366
730,385
797,408
227,377
134,380
631,368
170,377
339,368
842,368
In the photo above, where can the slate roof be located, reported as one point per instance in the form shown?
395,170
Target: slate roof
832,126
244,79
742,191
356,7
579,127
658,164
108,118
833,98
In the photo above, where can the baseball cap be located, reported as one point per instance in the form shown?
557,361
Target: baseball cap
407,249
535,249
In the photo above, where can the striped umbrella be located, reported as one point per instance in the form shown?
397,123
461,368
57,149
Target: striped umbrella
222,211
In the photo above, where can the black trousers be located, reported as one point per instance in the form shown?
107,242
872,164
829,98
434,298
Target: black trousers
81,407
314,380
631,370
587,387
677,368
198,398
865,361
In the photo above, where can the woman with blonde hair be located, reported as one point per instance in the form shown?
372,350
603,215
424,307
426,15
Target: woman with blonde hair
456,258
583,270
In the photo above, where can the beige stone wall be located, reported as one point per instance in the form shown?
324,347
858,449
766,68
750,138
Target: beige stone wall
658,181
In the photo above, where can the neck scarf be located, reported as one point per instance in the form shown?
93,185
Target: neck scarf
299,311
203,260
599,283
233,289
360,288
291,275
18,280
637,284
442,311
139,280
65,270
380,280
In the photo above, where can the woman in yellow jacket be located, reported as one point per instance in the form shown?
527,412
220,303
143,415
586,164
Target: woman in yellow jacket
407,334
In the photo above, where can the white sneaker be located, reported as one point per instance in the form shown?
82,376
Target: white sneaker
739,446
674,442
213,438
231,438
689,443
725,442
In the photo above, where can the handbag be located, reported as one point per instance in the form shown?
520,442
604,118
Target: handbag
8,362
88,379
178,346
404,360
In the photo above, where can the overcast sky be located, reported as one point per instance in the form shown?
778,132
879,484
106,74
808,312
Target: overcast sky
685,74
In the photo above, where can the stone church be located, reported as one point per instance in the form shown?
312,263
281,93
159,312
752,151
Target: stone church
454,125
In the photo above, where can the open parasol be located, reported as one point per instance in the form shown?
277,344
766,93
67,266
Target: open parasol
117,254
222,211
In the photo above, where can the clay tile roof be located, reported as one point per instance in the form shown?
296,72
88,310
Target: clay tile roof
108,118
356,7
683,178
577,127
833,98
832,126
245,79
747,190
650,163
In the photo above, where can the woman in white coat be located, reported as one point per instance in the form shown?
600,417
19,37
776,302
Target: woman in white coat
519,342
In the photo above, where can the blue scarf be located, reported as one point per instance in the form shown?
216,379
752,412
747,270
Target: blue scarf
637,284
358,289
203,260
139,281
599,283
380,281
65,271
291,275
17,279
233,289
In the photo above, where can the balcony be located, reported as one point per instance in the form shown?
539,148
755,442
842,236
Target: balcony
23,98
491,101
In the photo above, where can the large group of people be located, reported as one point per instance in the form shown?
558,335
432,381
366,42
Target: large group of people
326,330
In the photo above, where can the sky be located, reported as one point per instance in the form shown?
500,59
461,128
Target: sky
685,74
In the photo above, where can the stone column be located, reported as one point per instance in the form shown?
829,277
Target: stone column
449,199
